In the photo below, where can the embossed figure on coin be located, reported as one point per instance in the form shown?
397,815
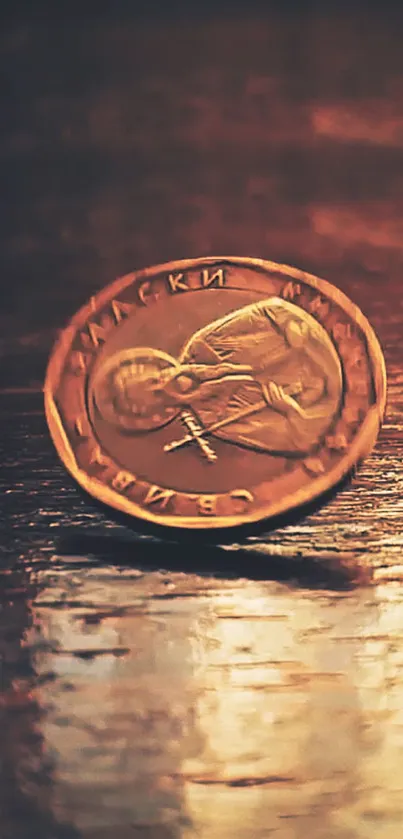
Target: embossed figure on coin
265,377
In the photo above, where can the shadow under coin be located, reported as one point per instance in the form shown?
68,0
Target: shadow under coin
325,570
217,535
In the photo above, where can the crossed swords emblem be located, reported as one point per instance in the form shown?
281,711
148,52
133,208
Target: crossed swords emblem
197,432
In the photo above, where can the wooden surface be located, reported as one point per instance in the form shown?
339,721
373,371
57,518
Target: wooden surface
149,690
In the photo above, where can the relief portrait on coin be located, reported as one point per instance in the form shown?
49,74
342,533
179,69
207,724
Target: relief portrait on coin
265,377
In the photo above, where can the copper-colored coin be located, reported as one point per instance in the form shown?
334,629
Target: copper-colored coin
212,393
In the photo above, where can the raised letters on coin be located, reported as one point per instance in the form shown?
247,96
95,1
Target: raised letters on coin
215,392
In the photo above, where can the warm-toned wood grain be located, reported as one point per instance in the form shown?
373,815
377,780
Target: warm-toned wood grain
156,691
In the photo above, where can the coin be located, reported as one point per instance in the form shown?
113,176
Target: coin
215,392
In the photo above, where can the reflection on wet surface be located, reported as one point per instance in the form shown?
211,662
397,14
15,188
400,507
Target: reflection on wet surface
235,691
204,706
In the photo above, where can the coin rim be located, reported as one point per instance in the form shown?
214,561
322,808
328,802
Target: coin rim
360,448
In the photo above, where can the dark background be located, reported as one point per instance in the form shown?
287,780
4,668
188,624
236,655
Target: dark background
132,137
147,691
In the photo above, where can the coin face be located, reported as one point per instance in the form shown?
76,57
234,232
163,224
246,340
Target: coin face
215,392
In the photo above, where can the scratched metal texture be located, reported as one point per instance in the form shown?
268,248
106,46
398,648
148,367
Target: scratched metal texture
153,691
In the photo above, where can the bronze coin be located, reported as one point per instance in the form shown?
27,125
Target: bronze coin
214,392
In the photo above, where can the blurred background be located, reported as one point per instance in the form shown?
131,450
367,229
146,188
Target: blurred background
254,692
134,136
